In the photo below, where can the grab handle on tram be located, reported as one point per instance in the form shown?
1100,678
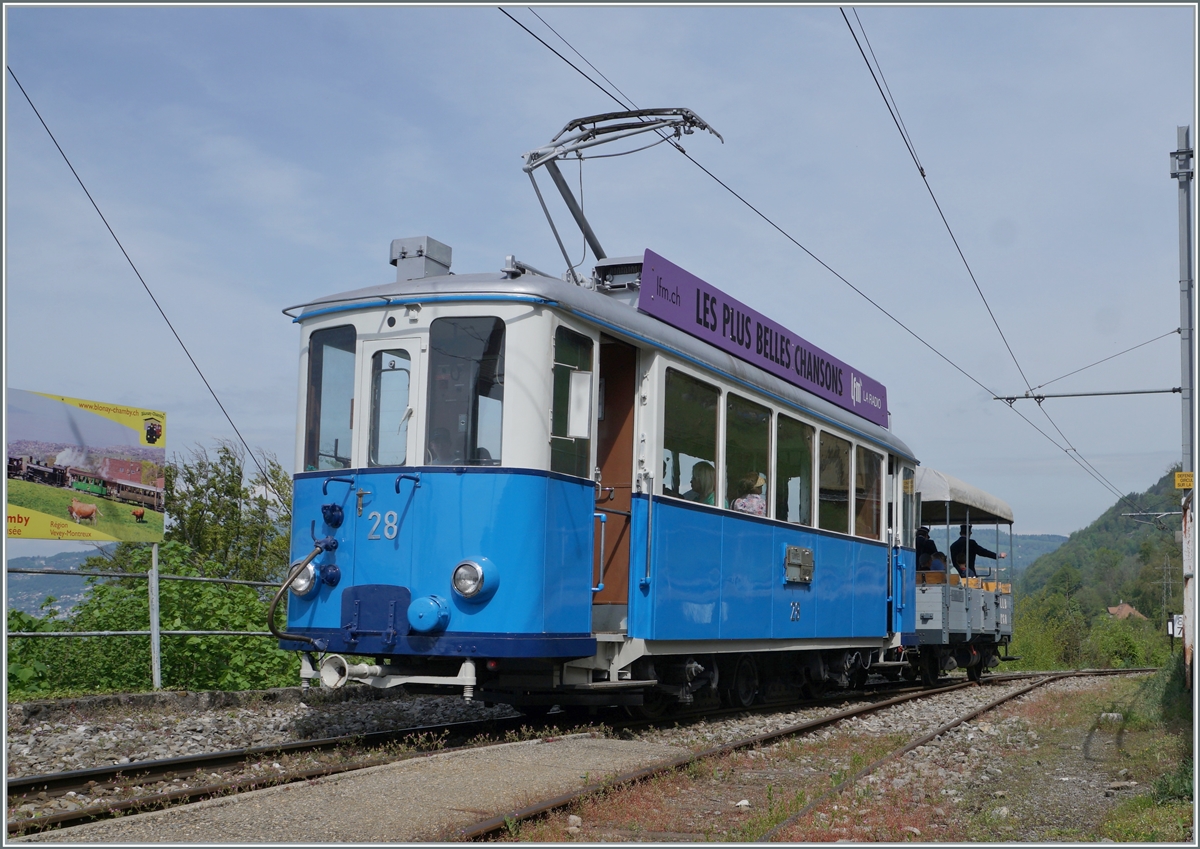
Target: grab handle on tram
328,481
415,477
603,524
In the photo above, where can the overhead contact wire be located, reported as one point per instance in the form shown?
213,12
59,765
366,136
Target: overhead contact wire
1076,459
894,111
228,418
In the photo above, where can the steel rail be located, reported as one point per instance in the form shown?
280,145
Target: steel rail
152,770
920,741
492,824
497,823
86,780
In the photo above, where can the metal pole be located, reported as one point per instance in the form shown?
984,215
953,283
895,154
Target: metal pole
1181,170
155,641
576,211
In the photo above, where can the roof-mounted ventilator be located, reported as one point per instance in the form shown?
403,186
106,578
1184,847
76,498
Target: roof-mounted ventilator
583,133
420,256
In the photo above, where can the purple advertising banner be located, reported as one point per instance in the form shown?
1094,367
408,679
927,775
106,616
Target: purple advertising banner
683,300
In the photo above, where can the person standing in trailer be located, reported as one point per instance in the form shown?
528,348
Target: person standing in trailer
963,556
929,559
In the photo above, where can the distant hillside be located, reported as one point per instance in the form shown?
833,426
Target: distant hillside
27,592
1027,548
1118,558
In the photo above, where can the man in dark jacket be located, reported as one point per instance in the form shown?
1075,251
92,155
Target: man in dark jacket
963,557
926,549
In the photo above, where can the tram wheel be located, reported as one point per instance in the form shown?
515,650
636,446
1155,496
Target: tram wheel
930,669
814,689
534,711
745,683
655,705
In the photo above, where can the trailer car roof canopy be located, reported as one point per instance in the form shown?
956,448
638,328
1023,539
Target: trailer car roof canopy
938,489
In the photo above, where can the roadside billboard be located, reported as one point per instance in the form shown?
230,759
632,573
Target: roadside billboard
83,470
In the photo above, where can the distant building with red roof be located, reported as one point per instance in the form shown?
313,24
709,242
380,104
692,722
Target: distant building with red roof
1124,611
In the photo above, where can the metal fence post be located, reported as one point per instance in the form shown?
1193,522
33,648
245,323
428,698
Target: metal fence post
155,643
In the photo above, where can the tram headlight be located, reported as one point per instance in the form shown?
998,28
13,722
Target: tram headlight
305,582
475,579
468,579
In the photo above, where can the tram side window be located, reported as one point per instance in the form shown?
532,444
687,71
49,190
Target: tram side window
391,376
329,424
572,366
747,455
868,503
908,517
793,472
690,439
833,511
466,391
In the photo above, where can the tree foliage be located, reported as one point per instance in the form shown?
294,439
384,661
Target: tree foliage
224,521
1061,618
39,665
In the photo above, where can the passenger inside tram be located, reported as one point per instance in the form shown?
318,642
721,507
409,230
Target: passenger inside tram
704,479
749,498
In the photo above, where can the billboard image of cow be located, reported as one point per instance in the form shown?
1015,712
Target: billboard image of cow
83,470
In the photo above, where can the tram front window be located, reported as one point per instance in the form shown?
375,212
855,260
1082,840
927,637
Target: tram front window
391,373
466,391
330,410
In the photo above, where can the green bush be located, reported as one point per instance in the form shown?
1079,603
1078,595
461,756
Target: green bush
1175,785
39,665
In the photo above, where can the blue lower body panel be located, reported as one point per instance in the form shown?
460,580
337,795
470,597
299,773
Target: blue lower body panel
403,531
716,575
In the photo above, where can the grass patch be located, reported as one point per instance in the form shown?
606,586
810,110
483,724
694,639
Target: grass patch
116,517
1142,820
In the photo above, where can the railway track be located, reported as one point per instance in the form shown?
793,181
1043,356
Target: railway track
495,825
160,783
202,776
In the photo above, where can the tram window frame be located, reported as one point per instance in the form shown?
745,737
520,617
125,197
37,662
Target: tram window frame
784,446
744,460
380,395
831,508
682,450
571,455
461,423
323,379
868,500
908,509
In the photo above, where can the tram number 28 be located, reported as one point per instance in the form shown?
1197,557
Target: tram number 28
389,521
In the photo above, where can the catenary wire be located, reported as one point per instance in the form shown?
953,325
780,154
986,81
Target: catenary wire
262,472
953,238
1070,451
1106,359
894,111
903,128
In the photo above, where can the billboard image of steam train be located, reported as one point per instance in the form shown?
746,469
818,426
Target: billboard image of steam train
84,470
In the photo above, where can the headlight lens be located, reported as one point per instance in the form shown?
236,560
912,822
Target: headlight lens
305,581
468,579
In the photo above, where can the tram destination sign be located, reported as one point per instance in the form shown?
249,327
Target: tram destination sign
683,300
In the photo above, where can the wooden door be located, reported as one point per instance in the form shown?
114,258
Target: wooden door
614,457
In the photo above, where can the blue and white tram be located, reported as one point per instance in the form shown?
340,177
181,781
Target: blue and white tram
629,489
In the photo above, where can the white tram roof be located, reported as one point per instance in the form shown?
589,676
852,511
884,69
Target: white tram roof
617,318
939,490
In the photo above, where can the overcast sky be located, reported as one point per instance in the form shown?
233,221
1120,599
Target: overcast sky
254,158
